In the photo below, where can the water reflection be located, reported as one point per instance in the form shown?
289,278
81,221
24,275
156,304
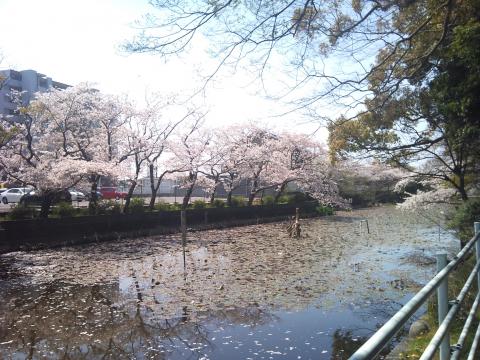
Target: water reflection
60,320
245,295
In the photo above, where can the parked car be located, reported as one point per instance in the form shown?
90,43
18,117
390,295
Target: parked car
13,195
33,197
99,196
111,192
2,190
76,195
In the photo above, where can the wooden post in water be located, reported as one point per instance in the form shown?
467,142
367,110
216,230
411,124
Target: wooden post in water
183,227
297,222
368,228
294,228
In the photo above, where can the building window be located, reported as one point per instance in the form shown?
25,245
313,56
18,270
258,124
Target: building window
42,82
59,86
15,75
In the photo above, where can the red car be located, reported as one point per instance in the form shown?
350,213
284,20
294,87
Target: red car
112,193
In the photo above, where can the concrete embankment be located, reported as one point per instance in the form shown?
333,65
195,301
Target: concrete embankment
53,232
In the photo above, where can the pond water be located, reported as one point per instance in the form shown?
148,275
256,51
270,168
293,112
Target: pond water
246,293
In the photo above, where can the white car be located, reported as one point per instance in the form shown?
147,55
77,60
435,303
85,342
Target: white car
76,195
13,195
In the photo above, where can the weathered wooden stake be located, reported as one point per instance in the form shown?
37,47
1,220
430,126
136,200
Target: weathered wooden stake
294,227
366,222
183,226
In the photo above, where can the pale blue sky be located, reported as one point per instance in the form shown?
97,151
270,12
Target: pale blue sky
78,41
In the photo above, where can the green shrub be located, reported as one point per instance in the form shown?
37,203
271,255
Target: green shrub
176,206
137,206
286,199
238,201
297,197
115,208
268,200
107,207
218,203
464,217
324,210
199,204
162,206
82,212
21,212
64,209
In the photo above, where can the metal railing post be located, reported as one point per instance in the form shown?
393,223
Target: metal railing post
442,301
476,228
385,334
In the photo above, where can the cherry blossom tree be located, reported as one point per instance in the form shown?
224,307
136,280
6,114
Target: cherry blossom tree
216,169
140,140
294,158
368,182
163,130
190,157
64,138
230,159
231,180
110,115
255,145
270,160
424,192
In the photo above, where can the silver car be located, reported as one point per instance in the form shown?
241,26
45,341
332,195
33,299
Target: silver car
13,195
76,195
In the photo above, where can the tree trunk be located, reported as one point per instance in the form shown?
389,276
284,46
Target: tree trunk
93,201
188,194
186,198
230,194
157,186
461,187
280,192
212,197
129,195
253,192
46,204
251,197
153,196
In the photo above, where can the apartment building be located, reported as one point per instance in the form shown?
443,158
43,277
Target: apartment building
26,81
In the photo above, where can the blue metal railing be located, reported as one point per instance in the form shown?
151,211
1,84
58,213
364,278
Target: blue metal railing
441,339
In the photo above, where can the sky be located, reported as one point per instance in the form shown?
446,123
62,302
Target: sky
80,41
